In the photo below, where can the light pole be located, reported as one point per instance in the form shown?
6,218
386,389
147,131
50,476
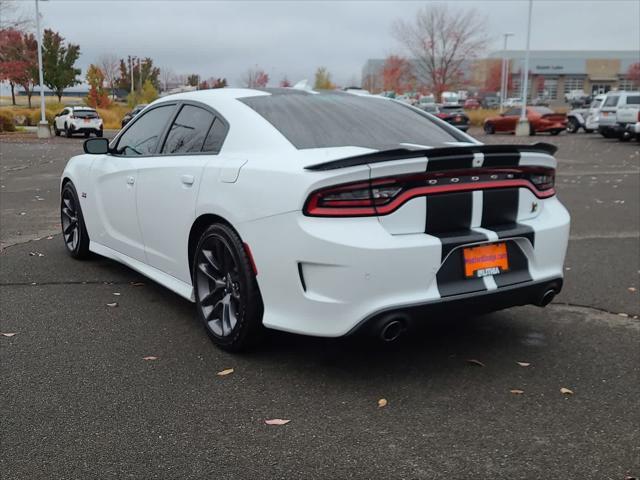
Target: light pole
523,125
43,125
504,77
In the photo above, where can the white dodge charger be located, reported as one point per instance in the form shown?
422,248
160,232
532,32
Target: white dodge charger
321,213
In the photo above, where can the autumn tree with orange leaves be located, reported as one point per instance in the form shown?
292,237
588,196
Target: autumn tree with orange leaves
442,40
397,75
633,73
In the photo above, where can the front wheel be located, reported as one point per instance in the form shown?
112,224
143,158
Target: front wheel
74,231
99,134
55,130
489,129
227,297
572,125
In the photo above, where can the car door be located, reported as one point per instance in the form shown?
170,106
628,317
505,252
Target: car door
169,183
115,178
61,118
509,120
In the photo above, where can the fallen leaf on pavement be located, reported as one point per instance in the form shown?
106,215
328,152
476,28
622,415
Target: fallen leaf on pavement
382,402
473,361
623,314
112,305
137,284
117,294
150,358
50,237
515,391
632,289
276,421
36,254
523,364
227,371
8,334
566,391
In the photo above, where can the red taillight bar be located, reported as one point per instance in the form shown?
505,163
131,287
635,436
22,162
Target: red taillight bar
377,206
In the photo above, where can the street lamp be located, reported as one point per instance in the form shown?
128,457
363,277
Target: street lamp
43,125
504,76
523,124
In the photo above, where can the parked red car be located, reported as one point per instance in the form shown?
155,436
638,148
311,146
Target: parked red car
541,119
471,104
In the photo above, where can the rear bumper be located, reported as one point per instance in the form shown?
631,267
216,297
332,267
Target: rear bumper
531,293
633,128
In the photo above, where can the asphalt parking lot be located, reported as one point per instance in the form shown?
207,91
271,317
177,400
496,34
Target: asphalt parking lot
79,400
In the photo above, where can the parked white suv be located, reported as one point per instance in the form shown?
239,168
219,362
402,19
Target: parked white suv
72,120
628,119
608,127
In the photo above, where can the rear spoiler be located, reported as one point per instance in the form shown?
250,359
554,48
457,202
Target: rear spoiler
494,155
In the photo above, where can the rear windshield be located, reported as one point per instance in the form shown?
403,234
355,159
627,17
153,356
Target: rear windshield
85,114
451,108
335,119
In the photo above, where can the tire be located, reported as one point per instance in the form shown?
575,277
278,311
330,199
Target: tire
489,128
625,137
532,131
55,130
573,125
588,130
228,300
74,230
67,132
87,134
99,134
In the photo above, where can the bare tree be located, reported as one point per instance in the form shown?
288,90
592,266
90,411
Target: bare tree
14,16
110,66
441,40
167,76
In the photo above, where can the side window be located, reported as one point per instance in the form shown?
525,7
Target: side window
633,100
215,137
141,138
188,130
611,101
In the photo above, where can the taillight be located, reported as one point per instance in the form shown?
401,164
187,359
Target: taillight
441,115
383,196
639,115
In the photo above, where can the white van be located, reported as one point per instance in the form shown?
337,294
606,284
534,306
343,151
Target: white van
608,127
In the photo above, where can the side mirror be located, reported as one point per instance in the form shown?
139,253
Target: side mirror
96,146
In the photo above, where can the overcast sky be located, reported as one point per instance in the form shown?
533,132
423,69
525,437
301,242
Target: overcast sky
225,38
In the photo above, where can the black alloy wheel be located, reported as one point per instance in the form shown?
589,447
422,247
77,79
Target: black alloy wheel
572,125
74,231
226,292
489,129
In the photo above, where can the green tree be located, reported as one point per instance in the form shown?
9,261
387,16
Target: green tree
149,92
58,62
323,80
219,83
192,80
143,70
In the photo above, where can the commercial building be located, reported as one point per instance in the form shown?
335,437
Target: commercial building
553,73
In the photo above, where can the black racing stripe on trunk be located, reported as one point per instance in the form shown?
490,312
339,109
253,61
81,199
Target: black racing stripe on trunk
451,162
502,159
449,212
451,240
499,206
518,267
513,230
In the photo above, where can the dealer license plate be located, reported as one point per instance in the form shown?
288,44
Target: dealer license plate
485,260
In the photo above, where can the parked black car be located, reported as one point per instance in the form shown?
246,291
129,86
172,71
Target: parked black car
129,115
454,115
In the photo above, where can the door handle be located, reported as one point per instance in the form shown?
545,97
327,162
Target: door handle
131,180
187,179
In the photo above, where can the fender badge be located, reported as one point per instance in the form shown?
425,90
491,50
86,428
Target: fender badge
534,206
83,195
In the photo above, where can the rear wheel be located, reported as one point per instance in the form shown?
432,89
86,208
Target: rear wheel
55,129
67,131
532,130
572,125
489,128
227,297
74,231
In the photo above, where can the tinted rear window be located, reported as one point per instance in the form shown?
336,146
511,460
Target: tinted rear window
337,119
85,114
611,101
635,100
